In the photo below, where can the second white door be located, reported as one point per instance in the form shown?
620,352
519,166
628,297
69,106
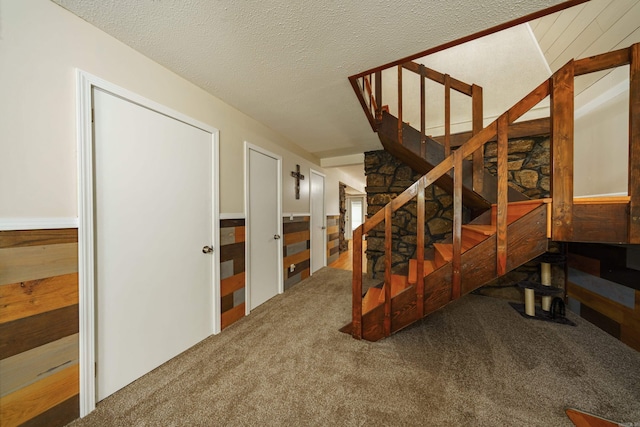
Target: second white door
264,226
318,223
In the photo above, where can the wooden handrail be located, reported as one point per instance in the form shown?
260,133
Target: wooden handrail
438,77
561,88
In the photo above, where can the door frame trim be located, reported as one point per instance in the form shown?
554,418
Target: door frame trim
85,82
247,259
324,219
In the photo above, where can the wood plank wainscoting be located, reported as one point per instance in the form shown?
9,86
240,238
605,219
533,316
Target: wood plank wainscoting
603,289
39,327
333,238
232,271
296,247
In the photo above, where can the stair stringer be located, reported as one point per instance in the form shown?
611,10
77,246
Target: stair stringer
526,240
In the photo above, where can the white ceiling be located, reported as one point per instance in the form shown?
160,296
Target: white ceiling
286,63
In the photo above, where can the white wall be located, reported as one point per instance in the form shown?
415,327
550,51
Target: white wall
41,45
601,147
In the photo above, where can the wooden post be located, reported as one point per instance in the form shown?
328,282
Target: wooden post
634,144
356,298
562,153
447,115
457,225
400,104
378,89
503,180
478,155
423,114
420,251
388,215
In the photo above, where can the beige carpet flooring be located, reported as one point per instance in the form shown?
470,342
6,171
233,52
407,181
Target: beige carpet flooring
475,363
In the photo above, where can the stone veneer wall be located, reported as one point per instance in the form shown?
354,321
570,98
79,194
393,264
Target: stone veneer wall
529,172
343,243
387,177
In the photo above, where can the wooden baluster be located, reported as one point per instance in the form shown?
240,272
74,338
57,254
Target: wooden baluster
478,155
457,225
503,180
379,94
447,115
356,298
388,215
634,144
423,114
400,104
562,153
420,250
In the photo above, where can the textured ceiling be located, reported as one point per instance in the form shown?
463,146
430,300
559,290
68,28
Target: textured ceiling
286,63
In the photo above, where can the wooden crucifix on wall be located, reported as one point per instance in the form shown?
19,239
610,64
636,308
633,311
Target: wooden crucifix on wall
298,176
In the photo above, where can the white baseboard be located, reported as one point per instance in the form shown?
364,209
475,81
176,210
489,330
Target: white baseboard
9,224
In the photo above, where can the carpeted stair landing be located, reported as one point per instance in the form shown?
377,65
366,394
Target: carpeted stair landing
475,363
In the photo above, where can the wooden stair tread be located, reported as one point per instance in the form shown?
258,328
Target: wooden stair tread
429,267
370,300
398,284
487,230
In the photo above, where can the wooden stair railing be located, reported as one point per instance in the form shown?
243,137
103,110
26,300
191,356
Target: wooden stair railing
374,109
560,88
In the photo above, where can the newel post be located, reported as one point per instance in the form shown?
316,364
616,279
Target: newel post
562,152
356,298
634,144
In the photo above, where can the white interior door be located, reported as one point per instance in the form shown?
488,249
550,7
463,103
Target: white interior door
318,223
264,227
153,216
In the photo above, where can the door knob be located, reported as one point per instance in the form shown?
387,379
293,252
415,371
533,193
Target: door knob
276,236
207,250
323,227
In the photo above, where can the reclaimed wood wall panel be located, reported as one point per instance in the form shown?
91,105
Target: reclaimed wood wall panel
39,327
333,238
233,315
28,402
232,270
18,264
33,365
296,249
14,239
24,299
602,289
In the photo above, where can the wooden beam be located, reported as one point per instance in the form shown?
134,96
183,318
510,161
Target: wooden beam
433,75
528,102
457,226
388,217
477,119
503,180
562,111
356,285
634,145
447,115
423,113
420,251
602,62
378,89
400,121
525,129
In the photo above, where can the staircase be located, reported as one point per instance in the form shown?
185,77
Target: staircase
507,229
